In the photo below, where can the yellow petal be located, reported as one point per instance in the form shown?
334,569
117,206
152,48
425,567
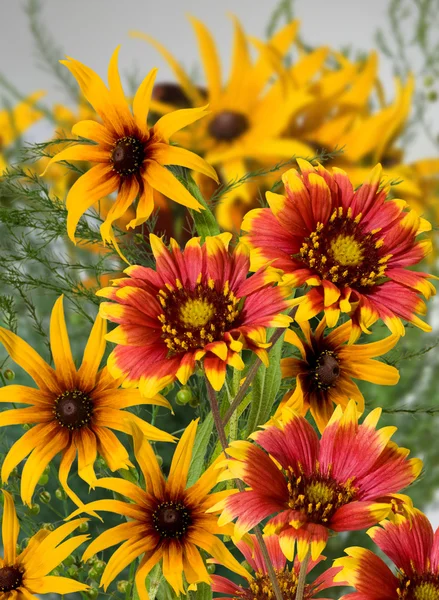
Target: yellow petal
145,456
55,585
60,346
181,460
142,100
165,154
209,56
161,179
167,125
123,556
93,353
10,529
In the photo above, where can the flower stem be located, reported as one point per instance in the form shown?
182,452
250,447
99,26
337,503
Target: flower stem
223,440
302,576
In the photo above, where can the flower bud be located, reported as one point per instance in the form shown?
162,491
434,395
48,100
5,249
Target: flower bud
9,374
45,497
123,586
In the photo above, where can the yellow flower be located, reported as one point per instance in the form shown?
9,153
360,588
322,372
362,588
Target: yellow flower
73,410
130,156
166,520
14,122
250,113
26,574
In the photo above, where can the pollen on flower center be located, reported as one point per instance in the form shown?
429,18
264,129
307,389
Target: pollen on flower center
261,587
341,252
228,125
422,587
73,409
10,579
193,318
346,250
327,370
196,312
171,519
318,496
127,155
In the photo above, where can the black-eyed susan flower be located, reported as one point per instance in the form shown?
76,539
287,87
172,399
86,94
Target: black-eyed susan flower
198,305
168,522
131,157
25,574
352,248
324,374
260,587
73,410
344,481
413,547
250,112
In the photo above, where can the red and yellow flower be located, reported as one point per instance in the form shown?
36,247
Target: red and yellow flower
197,305
168,521
131,157
345,481
73,411
260,587
352,247
327,366
25,574
412,545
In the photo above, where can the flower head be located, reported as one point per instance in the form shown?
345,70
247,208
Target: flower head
167,520
197,304
249,112
260,587
327,366
351,247
412,546
343,482
26,574
73,410
131,157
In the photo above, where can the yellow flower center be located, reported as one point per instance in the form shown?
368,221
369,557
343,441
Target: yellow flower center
196,312
420,587
193,318
341,252
346,250
318,496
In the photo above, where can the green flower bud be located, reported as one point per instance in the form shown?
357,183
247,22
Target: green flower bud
83,528
72,571
69,561
123,586
93,574
34,509
9,374
183,396
428,81
48,526
432,96
26,426
92,593
100,463
45,497
43,479
60,494
159,459
211,569
56,573
99,565
194,402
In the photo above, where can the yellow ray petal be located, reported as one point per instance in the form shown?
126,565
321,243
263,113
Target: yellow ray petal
241,64
147,460
145,206
123,556
88,189
165,154
113,536
26,357
127,194
10,529
87,453
116,91
48,561
173,566
60,346
93,353
24,445
92,130
142,100
209,56
161,179
181,460
55,585
85,152
169,124
148,562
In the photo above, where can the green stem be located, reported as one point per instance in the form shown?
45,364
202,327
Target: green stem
302,576
223,439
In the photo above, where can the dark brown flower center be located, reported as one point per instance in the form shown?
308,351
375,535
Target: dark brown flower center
424,586
171,519
127,155
327,370
318,496
10,579
193,318
171,93
341,252
73,409
228,125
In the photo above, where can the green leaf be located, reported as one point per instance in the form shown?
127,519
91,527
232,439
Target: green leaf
205,220
201,443
265,387
204,592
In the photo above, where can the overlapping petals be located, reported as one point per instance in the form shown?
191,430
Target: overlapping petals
130,157
352,248
345,481
27,573
167,520
72,411
413,547
198,305
326,368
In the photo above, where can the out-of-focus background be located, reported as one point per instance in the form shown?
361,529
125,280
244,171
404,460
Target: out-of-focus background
89,30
